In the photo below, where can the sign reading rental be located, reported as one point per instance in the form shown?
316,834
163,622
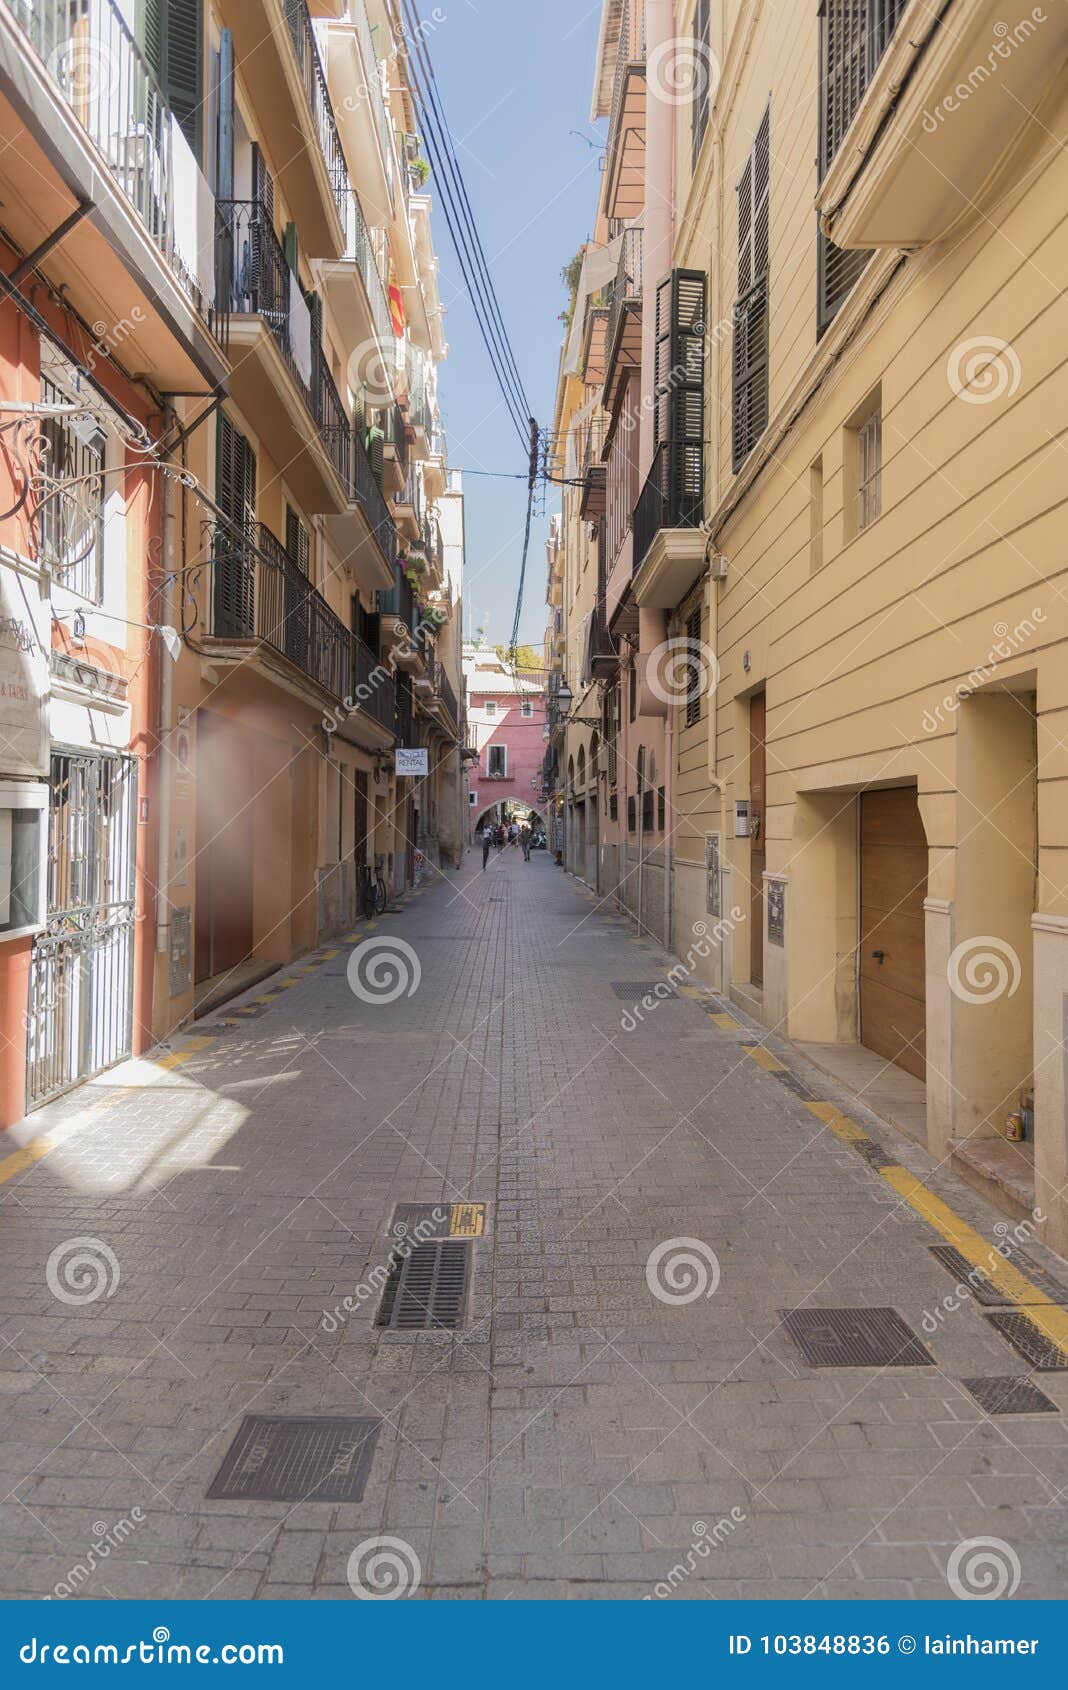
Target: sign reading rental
414,760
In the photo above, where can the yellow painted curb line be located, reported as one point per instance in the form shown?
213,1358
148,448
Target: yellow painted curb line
19,1160
327,955
839,1124
177,1057
727,1022
764,1059
688,991
1050,1320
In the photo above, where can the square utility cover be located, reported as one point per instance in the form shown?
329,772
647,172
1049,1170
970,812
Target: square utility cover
303,1458
425,1223
855,1338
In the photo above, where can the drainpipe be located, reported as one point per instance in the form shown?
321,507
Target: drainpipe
166,704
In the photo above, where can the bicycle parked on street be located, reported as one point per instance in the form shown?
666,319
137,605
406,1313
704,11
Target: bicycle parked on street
372,889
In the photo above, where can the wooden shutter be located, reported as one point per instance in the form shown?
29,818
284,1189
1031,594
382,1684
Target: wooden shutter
679,413
298,541
235,494
262,182
693,640
702,59
749,380
170,36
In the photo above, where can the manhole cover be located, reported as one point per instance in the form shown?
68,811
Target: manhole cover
1009,1396
427,1289
1031,1343
972,1278
855,1338
637,989
424,1223
303,1458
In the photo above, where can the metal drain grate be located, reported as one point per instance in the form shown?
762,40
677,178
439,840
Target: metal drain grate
297,1459
1009,1396
635,990
972,1278
427,1289
1031,1343
855,1338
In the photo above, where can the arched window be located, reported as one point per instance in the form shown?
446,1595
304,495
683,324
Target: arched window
582,765
595,752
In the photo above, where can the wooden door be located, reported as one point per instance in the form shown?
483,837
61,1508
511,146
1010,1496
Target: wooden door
361,848
757,852
893,886
224,874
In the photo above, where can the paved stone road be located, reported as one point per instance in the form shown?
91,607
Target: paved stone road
580,1437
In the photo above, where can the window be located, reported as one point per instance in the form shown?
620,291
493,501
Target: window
702,59
661,808
169,31
613,807
679,412
695,667
298,541
497,761
632,824
749,376
815,516
527,708
71,507
647,810
611,733
633,684
490,708
235,495
854,34
870,470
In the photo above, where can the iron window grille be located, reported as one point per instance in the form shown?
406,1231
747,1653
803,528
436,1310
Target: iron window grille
696,666
749,375
70,517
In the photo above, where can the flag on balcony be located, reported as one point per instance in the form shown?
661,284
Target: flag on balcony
396,303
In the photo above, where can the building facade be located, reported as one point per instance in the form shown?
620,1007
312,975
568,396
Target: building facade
844,529
506,727
232,549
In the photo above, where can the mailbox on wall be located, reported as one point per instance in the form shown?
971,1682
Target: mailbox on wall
23,857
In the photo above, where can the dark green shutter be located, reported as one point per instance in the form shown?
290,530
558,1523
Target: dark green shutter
171,38
235,495
679,413
749,371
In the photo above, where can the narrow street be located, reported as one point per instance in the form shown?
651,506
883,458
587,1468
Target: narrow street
180,1237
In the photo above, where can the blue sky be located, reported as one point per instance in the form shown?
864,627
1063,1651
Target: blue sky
514,80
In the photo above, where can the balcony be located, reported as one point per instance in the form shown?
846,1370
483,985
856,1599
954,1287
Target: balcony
669,543
396,447
623,338
624,170
594,338
364,535
285,84
266,613
280,379
69,139
399,619
408,507
593,499
603,653
357,295
428,547
372,721
953,99
435,465
419,408
367,129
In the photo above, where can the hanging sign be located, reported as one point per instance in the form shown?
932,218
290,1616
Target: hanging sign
413,760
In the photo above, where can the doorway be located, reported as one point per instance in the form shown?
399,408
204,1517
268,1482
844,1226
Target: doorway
225,850
758,760
893,887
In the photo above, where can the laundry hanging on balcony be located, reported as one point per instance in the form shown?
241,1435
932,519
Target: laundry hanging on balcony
396,303
193,215
300,336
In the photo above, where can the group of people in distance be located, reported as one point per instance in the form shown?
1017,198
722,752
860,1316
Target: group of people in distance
515,833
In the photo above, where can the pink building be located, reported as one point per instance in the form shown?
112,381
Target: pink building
506,726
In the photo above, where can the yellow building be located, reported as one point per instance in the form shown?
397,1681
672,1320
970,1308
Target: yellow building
875,802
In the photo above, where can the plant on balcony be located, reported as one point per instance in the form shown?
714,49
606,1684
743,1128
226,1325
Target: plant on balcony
420,170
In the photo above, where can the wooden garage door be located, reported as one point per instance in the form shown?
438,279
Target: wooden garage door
893,885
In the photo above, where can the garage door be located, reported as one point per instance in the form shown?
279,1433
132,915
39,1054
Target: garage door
893,886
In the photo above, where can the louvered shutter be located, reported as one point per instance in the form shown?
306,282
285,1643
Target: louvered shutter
169,33
702,59
749,376
679,413
235,494
298,541
854,34
693,641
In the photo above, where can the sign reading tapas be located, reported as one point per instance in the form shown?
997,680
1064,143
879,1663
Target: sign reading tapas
412,760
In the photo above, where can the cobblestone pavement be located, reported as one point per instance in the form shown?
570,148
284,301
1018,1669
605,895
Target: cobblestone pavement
581,1436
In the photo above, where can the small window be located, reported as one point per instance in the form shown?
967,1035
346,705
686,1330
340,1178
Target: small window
613,807
527,707
490,707
633,692
870,470
815,516
632,824
497,760
661,808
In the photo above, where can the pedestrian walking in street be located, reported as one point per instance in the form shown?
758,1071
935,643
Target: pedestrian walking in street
513,833
500,836
487,841
524,840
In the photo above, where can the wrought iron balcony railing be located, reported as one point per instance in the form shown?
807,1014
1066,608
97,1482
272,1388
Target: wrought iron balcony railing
399,600
671,498
359,247
258,592
374,689
364,486
383,124
444,688
105,79
314,78
626,287
252,273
